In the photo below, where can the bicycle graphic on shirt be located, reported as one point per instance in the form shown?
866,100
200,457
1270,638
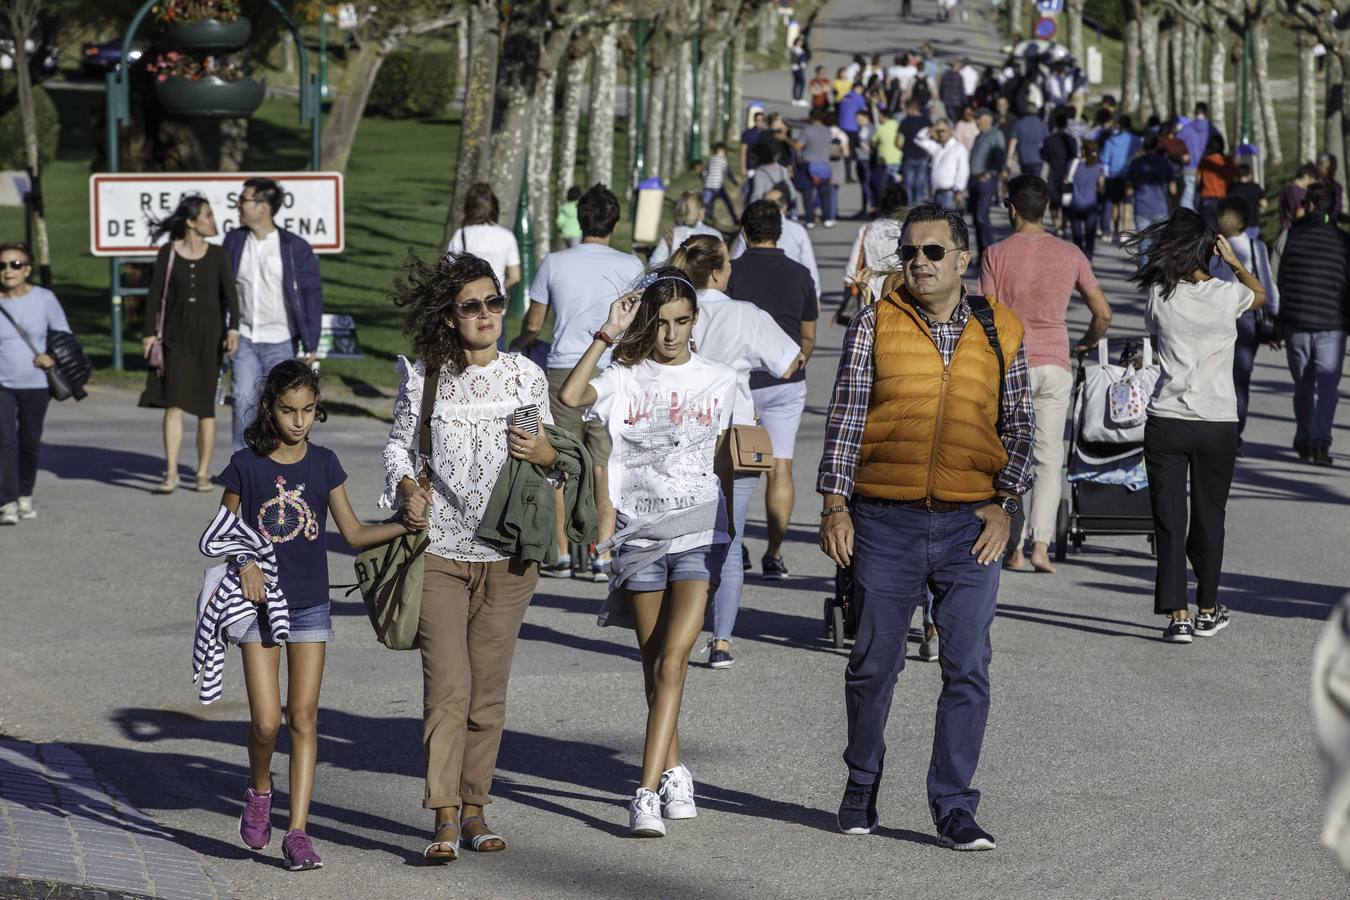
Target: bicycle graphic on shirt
287,516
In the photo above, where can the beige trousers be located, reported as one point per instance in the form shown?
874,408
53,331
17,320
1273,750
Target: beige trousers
471,614
1051,389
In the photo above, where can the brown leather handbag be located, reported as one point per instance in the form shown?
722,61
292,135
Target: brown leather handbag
751,449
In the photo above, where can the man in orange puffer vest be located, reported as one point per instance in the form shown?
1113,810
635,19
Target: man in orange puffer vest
928,446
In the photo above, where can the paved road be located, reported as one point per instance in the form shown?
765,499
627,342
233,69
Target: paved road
1115,765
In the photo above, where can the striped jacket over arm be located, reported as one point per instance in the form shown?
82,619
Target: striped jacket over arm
226,614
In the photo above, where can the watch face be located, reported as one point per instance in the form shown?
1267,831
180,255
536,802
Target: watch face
1010,506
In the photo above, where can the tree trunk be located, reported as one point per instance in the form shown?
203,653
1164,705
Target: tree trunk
233,144
1260,32
1218,62
669,143
1190,51
288,54
684,109
656,117
475,127
1333,140
541,162
600,143
574,79
344,116
767,30
517,81
737,101
1016,21
1073,11
1129,67
1307,96
1154,101
709,96
23,22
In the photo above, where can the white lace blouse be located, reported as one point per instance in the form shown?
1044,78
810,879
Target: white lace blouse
469,425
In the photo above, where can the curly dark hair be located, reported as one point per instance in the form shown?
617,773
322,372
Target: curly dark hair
429,291
639,341
261,435
1171,250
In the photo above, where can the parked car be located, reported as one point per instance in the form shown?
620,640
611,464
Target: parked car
98,59
42,58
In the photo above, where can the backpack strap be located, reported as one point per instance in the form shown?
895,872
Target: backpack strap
984,314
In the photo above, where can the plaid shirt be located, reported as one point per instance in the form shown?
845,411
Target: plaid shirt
853,395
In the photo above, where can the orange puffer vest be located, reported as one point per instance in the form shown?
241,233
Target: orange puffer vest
931,431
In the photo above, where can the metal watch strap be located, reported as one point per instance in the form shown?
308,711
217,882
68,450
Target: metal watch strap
826,513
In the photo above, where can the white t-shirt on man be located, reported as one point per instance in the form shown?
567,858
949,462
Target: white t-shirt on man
581,283
1196,329
664,422
487,241
262,297
745,337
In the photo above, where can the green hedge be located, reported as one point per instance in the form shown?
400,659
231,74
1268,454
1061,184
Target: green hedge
414,84
12,152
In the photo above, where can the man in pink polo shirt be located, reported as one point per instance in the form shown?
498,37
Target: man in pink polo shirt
1035,274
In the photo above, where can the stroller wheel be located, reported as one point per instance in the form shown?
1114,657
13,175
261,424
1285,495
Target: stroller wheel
837,626
1062,531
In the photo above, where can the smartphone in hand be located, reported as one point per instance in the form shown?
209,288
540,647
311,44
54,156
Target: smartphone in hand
526,418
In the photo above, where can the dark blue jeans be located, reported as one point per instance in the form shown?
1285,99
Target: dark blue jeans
1083,224
22,413
918,185
899,555
981,201
1244,360
1316,361
710,198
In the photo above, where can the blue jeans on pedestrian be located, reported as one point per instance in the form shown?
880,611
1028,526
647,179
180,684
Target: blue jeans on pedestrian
22,414
249,370
727,600
1188,199
981,201
1316,359
1083,225
863,168
900,553
915,175
1244,360
945,199
711,196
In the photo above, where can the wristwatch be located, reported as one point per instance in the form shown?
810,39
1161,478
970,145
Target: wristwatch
241,560
1011,506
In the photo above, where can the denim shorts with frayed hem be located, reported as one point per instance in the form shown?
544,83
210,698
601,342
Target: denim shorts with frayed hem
309,625
698,564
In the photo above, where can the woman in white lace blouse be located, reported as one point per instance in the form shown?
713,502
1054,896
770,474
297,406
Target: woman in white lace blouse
473,599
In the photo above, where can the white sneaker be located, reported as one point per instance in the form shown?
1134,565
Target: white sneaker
677,794
644,815
26,510
9,514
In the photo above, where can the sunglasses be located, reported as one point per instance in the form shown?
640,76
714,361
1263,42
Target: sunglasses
472,309
15,264
934,252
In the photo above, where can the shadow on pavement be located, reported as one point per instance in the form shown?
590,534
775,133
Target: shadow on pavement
120,468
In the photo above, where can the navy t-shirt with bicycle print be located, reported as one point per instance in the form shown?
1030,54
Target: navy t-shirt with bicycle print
287,503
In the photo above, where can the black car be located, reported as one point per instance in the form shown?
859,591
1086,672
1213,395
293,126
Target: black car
98,59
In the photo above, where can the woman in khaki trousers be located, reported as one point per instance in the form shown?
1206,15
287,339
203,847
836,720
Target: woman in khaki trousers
474,599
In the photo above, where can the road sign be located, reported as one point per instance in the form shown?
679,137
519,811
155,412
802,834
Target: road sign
1050,7
1044,28
122,207
337,338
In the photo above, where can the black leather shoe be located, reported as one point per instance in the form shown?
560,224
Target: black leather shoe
1321,456
1302,450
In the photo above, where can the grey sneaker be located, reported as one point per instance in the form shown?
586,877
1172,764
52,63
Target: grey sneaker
26,510
1211,623
9,514
560,569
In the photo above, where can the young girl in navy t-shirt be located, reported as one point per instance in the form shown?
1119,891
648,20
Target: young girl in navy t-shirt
283,486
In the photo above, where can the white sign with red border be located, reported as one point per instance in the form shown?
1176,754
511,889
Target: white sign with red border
123,207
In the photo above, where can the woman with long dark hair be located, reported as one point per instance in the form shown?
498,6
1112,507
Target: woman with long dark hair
667,410
1192,418
473,598
482,236
192,288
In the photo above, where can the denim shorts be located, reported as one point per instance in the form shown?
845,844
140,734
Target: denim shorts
309,625
698,564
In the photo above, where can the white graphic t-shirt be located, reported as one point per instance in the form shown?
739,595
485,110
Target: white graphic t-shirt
664,422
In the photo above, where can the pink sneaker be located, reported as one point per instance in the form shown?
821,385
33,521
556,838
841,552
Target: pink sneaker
299,852
255,822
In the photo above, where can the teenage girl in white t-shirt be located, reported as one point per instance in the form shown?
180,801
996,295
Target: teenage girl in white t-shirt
1192,416
667,411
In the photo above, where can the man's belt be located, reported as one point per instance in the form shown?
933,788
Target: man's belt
927,503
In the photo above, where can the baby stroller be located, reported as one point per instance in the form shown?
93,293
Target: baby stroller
841,608
1108,486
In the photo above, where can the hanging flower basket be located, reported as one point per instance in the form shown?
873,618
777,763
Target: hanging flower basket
210,96
208,35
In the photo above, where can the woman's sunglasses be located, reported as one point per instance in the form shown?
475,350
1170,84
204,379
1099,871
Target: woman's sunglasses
472,309
15,264
934,252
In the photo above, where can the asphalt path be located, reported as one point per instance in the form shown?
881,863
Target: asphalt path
1115,765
